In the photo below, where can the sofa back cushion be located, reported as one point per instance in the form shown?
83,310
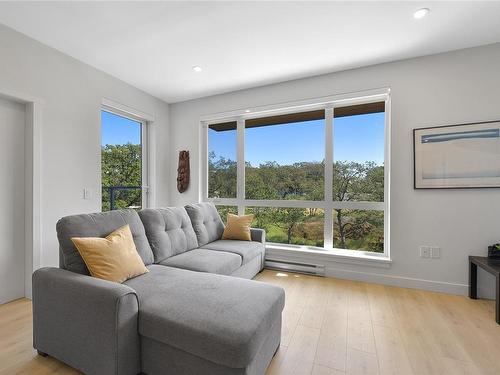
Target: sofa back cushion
98,225
206,221
169,231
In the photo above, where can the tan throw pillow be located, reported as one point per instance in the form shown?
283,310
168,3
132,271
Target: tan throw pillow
114,258
238,227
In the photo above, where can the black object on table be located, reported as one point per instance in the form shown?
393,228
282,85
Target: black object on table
491,266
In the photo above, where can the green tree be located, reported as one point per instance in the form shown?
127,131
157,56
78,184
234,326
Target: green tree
221,177
260,182
288,219
121,165
356,182
358,229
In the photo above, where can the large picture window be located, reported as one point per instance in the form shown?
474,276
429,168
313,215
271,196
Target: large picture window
314,178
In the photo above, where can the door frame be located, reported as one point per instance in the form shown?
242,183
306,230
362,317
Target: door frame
32,197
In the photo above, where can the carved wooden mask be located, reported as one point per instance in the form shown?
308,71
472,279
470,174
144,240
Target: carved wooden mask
183,171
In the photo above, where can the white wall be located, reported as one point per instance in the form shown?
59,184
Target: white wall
12,126
71,94
450,88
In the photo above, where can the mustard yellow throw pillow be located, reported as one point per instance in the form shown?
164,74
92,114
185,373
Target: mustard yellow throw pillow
114,258
238,227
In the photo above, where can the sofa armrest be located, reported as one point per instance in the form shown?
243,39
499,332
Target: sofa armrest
88,323
258,235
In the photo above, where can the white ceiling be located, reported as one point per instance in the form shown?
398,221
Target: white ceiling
153,45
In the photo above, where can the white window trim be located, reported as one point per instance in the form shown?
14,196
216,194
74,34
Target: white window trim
147,146
307,254
327,103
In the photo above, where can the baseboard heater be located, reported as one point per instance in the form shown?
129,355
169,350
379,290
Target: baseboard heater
283,265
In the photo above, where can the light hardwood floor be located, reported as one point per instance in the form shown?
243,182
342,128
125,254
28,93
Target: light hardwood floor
334,327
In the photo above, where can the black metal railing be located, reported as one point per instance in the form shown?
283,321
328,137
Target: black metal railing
126,196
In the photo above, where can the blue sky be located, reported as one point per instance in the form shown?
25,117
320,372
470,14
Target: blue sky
356,138
117,130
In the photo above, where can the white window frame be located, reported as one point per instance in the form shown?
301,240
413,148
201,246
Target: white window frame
147,157
328,104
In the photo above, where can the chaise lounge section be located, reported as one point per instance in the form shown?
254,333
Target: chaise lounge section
188,315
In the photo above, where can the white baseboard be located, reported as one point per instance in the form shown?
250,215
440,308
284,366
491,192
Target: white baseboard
399,281
333,268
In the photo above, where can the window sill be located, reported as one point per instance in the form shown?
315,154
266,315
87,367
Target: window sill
320,256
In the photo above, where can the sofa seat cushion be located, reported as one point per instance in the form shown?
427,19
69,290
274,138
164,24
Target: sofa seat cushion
248,250
219,318
169,231
203,260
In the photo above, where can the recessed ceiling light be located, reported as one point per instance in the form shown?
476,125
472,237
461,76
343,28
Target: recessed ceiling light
247,111
197,68
421,13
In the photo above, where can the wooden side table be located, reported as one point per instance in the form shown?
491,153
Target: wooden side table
491,266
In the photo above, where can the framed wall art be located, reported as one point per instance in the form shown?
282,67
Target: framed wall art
457,156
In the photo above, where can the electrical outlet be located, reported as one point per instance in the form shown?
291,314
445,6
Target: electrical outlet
425,252
435,252
87,193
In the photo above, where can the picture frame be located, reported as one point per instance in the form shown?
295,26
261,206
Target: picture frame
462,156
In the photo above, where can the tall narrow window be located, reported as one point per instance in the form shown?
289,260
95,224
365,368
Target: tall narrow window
121,162
222,160
358,176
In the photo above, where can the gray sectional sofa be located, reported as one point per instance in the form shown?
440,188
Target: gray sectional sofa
194,312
